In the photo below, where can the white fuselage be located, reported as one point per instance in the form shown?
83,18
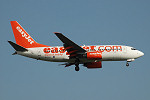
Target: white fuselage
70,52
109,53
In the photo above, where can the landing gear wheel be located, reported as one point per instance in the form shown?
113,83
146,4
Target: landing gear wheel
77,65
127,64
77,68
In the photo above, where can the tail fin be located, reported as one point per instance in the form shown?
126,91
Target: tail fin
22,37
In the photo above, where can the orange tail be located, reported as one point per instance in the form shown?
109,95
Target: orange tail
22,37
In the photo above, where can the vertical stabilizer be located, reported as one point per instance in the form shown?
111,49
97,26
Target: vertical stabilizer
22,37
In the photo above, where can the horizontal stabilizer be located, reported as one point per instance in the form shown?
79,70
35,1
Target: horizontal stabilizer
17,47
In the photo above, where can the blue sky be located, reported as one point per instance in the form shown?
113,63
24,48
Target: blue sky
125,22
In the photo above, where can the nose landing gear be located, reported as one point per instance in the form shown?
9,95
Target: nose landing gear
77,68
127,64
129,60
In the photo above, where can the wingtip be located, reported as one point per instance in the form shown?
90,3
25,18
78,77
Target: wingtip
9,41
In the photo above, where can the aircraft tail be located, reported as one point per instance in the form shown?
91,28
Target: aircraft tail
22,37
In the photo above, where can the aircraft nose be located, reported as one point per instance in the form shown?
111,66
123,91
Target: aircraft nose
141,54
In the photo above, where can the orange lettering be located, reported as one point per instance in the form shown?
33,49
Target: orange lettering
108,48
61,49
101,48
117,48
92,48
54,50
46,50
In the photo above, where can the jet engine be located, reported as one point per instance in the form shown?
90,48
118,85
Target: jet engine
93,65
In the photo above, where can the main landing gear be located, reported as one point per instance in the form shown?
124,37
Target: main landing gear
77,65
77,68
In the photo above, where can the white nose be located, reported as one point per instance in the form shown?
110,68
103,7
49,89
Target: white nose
141,54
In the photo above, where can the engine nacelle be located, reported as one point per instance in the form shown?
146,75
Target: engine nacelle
93,65
94,55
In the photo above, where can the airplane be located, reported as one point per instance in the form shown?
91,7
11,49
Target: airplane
91,56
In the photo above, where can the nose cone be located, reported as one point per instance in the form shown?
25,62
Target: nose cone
141,54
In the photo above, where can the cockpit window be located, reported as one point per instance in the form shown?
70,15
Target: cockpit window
133,49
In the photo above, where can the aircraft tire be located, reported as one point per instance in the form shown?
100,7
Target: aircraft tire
77,68
127,64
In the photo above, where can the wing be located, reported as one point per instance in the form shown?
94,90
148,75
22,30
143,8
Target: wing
72,48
